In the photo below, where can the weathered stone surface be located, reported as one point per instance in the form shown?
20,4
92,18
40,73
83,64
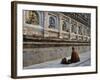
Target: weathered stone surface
85,60
39,55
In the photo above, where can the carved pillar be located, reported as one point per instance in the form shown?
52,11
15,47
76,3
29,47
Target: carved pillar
70,26
77,31
83,32
26,18
26,14
60,26
45,24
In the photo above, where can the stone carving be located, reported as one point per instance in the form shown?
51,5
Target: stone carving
74,29
80,29
74,26
33,18
65,26
88,32
67,19
52,22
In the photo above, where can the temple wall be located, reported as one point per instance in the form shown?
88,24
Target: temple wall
39,55
56,25
52,30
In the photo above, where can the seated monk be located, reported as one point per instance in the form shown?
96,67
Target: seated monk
74,56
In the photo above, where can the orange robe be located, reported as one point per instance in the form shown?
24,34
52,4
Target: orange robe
74,56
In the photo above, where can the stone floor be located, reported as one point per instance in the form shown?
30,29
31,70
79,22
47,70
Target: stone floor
85,60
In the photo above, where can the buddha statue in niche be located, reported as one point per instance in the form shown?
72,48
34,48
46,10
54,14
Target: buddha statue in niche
33,18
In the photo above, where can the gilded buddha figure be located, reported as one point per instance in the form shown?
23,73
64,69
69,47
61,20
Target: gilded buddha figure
33,18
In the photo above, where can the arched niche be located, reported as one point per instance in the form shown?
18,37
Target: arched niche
52,22
74,26
33,18
65,26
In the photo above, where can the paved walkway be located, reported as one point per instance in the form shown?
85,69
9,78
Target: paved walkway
84,61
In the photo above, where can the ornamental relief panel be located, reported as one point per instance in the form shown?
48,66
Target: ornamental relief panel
67,19
52,22
33,18
80,29
74,26
55,24
65,26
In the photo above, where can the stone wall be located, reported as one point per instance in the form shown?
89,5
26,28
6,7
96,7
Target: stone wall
39,55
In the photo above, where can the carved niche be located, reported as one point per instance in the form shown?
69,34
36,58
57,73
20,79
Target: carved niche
65,24
33,18
52,22
74,26
80,29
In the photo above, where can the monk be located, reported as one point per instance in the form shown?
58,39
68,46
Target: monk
74,56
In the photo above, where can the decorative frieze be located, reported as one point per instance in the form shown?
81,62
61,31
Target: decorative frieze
56,25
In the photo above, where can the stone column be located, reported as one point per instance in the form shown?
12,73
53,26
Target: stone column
26,14
70,26
60,26
83,31
77,30
46,24
25,18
